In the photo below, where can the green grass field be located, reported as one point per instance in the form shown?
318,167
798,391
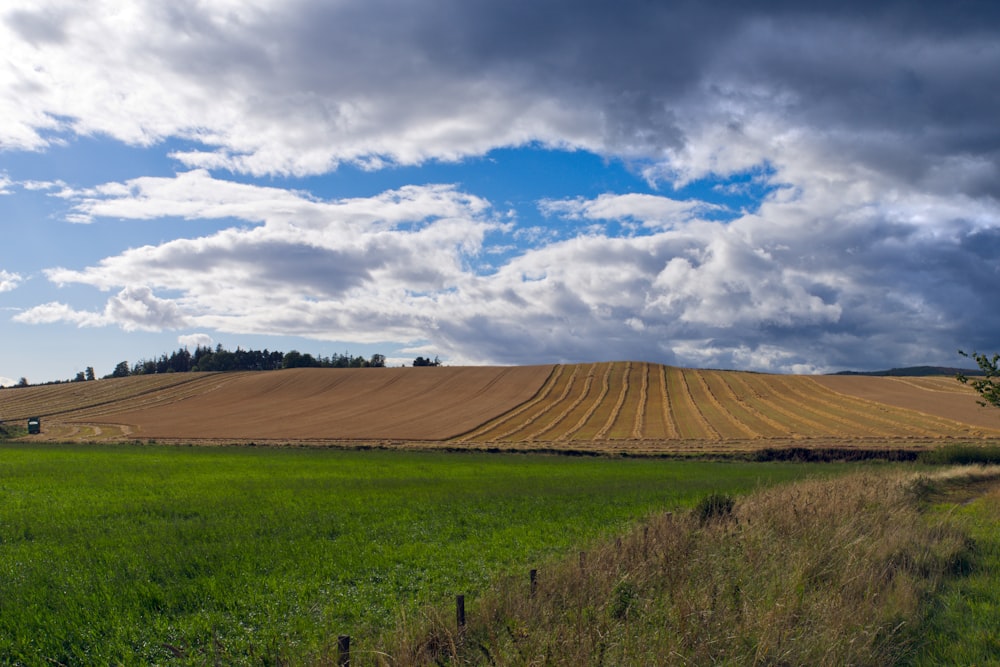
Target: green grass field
963,625
139,555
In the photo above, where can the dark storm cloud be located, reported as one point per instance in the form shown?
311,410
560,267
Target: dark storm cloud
901,84
872,127
911,88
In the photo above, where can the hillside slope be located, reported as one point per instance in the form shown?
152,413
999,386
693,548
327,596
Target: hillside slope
336,404
636,404
622,406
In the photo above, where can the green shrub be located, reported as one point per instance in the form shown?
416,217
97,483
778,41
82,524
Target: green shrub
623,598
714,506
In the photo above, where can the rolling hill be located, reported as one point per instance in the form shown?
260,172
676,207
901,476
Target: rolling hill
610,407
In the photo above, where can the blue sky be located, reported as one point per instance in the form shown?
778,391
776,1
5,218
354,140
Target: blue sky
788,187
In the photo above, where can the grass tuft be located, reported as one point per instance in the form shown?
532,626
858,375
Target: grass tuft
714,507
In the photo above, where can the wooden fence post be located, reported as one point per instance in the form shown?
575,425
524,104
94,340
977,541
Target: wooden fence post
533,578
343,651
460,611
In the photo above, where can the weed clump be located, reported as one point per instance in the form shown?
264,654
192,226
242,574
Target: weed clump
714,507
623,599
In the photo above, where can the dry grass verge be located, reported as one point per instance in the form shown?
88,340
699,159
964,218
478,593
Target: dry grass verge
819,573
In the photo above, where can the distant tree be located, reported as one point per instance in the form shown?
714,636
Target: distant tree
80,377
23,382
90,374
377,361
420,361
144,367
295,359
121,370
988,386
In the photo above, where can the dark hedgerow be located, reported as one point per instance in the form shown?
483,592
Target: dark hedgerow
962,454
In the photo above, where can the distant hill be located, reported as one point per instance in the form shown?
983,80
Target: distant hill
914,371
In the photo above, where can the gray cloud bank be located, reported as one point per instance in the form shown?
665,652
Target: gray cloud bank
874,122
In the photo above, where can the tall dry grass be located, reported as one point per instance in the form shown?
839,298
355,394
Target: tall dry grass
815,573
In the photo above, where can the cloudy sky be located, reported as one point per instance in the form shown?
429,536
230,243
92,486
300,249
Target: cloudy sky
776,186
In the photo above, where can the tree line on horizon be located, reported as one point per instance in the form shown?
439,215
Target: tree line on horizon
205,358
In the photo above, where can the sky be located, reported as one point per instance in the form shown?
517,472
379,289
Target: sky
778,186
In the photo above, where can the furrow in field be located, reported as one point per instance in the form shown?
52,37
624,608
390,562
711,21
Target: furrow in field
751,400
868,417
943,385
165,396
616,418
68,398
620,422
639,421
771,399
540,419
342,404
616,410
943,398
488,431
488,387
592,409
572,417
829,416
722,417
691,422
753,423
627,422
891,418
666,405
853,414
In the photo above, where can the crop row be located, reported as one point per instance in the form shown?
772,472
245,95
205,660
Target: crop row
641,401
91,397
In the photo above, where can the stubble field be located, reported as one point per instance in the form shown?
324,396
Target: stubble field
620,407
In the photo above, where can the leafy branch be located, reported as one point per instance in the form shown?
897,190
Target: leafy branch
988,387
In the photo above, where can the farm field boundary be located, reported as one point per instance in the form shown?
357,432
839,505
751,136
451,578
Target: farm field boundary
612,408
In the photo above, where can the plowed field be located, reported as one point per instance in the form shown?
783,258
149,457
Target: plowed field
611,407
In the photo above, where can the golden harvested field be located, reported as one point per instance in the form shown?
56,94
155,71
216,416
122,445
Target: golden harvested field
632,407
